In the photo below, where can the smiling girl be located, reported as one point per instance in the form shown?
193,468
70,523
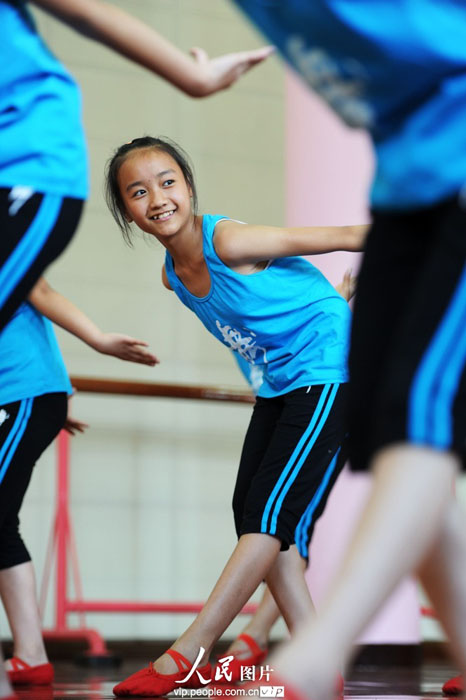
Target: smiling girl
250,288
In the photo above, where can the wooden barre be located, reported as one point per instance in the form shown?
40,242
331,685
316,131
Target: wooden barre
173,391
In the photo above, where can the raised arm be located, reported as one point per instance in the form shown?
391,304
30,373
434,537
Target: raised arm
130,37
239,244
64,313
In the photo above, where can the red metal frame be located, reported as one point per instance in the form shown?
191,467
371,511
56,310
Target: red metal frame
62,545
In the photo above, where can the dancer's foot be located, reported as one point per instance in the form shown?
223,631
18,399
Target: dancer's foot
247,645
21,673
246,653
455,686
149,682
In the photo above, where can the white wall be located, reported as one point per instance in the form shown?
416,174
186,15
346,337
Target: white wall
152,479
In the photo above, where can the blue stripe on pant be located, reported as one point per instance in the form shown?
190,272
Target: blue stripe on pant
297,459
14,437
302,529
436,381
24,255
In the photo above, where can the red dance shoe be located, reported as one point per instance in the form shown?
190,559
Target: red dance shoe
455,686
150,683
24,674
233,670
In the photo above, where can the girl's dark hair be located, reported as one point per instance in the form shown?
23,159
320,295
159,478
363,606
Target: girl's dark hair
112,190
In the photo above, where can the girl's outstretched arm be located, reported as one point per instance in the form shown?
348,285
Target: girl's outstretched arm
239,244
140,43
65,314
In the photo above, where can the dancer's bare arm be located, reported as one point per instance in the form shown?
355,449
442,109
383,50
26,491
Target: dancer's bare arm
198,76
65,314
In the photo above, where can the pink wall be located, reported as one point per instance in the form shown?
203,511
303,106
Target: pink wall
328,172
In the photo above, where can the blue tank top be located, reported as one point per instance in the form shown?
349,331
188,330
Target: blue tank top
394,67
30,360
287,319
253,374
42,142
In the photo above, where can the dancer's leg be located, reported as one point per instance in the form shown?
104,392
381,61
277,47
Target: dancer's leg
18,593
442,574
258,627
289,589
249,564
255,557
409,482
294,597
45,415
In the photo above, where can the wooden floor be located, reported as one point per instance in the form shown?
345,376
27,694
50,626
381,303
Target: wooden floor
387,683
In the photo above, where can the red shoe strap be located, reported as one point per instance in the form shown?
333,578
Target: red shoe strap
18,664
252,644
181,661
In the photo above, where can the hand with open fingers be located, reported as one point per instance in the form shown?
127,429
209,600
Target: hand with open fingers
347,287
126,348
223,71
72,426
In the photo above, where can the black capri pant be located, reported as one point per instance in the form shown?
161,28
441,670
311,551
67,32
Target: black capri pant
27,427
35,229
293,453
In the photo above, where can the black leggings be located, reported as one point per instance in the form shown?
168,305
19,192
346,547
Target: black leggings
27,427
35,229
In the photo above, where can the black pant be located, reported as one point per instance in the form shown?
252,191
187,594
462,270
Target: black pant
27,427
408,345
291,458
35,229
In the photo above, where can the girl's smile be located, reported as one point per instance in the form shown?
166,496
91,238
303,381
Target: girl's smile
165,215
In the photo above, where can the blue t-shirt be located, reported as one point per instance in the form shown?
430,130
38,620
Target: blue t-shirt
30,360
394,67
287,319
42,142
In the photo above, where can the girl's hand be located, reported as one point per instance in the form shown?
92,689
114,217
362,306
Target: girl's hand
347,287
128,36
126,348
72,425
219,73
